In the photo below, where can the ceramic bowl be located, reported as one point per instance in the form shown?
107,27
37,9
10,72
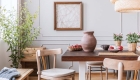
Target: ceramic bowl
105,47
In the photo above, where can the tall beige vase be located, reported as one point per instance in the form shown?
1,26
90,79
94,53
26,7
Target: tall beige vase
132,46
118,43
88,41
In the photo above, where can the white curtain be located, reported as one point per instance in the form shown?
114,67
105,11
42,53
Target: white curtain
4,55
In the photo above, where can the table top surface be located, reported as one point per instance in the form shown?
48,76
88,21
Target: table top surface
93,56
24,73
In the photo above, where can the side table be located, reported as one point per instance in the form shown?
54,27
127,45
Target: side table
24,74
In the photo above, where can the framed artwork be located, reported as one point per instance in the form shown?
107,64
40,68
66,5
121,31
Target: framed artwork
68,16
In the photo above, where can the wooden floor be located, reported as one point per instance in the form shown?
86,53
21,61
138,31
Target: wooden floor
95,76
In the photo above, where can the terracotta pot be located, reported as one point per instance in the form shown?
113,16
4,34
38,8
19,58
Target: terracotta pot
132,46
118,43
88,41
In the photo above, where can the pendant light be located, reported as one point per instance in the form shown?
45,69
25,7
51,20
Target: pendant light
126,5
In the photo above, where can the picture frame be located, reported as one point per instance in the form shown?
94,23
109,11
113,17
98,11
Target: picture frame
68,16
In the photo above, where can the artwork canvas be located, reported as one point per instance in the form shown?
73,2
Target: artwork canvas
68,16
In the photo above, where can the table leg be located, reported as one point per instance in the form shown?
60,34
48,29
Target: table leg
82,71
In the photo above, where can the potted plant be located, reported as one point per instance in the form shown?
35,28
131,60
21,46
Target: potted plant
118,39
132,39
18,32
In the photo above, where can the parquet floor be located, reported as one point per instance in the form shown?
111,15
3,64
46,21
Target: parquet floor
95,76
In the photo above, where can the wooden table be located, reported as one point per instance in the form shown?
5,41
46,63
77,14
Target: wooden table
82,57
24,74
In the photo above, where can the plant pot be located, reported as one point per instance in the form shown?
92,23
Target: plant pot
88,41
132,46
118,43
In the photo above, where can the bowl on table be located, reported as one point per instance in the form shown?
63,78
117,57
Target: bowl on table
105,47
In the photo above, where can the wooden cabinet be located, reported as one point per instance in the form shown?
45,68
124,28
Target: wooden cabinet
30,65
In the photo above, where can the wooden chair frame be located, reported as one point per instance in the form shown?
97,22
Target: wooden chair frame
40,55
121,65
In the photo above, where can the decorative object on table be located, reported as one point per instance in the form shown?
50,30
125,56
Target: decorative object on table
68,16
132,39
115,48
126,5
9,73
118,39
19,32
88,41
105,47
75,47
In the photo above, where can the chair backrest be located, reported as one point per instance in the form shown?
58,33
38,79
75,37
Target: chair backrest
40,54
121,65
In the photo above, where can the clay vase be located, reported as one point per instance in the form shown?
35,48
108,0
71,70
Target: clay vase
88,41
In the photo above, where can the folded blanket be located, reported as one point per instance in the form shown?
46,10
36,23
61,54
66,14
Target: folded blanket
9,73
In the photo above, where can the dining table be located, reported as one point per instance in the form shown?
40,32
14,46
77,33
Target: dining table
82,57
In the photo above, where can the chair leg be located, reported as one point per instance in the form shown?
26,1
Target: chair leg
101,74
106,73
114,72
89,72
73,77
39,77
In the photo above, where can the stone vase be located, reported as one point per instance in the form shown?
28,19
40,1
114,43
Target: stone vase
132,46
118,43
88,41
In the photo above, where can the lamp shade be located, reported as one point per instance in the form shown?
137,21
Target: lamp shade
127,5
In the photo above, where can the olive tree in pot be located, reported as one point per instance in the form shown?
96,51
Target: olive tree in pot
18,32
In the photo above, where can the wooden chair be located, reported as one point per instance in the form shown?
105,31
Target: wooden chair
94,64
54,73
121,65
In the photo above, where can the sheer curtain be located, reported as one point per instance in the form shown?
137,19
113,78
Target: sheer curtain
4,55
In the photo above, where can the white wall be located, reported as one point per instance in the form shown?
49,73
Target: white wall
99,16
